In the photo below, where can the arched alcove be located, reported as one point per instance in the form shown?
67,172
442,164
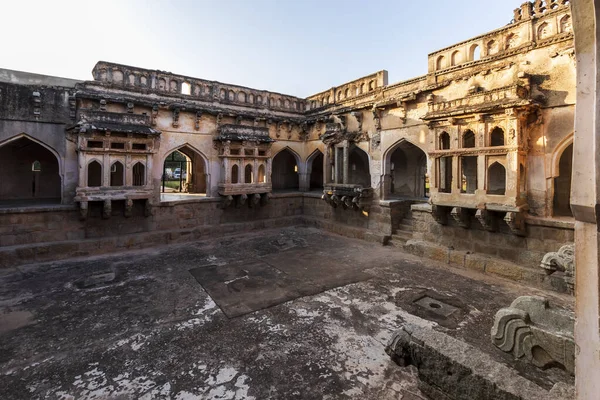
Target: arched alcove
561,205
444,141
497,137
316,170
474,52
139,174
358,167
261,174
235,171
284,174
468,139
407,168
30,172
94,174
248,175
456,58
440,63
117,174
496,179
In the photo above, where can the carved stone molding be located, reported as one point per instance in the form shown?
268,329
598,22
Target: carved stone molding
461,216
562,260
533,330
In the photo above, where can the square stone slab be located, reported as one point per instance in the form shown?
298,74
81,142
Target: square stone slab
241,288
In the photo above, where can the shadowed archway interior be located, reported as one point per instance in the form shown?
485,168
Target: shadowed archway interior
30,173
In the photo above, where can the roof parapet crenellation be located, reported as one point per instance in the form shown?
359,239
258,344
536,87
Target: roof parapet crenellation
129,77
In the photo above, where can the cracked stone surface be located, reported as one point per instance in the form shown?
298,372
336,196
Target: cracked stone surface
311,317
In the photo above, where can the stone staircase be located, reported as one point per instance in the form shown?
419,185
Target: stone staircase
402,231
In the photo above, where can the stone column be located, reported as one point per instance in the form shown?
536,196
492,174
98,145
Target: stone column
585,199
227,168
337,161
327,166
345,166
456,178
105,170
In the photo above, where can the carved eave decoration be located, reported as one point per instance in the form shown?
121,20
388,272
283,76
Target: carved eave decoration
104,121
515,96
240,133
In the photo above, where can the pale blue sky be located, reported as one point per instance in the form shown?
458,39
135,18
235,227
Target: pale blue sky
297,47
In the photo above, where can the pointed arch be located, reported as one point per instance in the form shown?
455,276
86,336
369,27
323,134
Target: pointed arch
139,174
31,170
195,177
496,179
557,154
262,175
405,170
497,137
47,147
285,169
359,167
294,153
117,173
314,169
400,143
248,174
94,173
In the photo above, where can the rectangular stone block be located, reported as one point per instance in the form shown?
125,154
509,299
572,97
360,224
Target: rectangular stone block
504,269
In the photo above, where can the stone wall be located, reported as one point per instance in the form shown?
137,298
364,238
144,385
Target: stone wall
499,253
52,233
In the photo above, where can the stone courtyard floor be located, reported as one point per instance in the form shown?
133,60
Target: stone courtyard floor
292,313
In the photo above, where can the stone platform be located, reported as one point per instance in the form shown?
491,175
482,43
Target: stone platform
292,313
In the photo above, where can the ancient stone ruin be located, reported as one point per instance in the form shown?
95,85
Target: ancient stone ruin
469,164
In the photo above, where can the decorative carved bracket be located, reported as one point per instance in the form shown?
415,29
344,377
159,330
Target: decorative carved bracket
461,216
175,117
376,117
198,117
359,119
516,222
241,200
487,220
83,210
128,208
107,209
440,214
154,111
226,201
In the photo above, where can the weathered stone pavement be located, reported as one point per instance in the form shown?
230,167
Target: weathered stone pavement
294,314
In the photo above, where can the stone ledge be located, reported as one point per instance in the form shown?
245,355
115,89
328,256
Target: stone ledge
423,207
551,222
39,209
454,370
486,264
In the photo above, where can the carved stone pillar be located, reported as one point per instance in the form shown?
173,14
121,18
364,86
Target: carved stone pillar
345,166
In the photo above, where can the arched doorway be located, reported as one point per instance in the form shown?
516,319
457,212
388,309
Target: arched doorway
358,167
284,174
184,171
316,171
496,179
561,204
30,173
407,171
